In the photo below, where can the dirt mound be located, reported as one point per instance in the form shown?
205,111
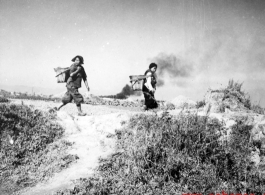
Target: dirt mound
231,98
219,101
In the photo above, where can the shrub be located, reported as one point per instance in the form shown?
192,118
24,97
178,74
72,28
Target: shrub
233,90
257,109
234,86
28,151
3,100
200,104
164,155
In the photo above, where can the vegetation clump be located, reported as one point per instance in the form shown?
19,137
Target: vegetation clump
231,97
257,109
200,104
166,155
29,148
234,90
3,100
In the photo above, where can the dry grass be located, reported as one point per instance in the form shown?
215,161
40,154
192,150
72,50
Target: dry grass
166,155
30,147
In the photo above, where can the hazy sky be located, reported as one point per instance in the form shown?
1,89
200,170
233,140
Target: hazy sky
198,44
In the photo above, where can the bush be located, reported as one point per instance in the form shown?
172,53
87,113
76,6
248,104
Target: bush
3,100
163,155
233,90
28,151
234,86
257,109
200,104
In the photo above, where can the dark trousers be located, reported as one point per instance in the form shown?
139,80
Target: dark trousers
149,97
72,93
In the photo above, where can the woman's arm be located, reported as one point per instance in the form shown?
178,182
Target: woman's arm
87,85
75,72
148,82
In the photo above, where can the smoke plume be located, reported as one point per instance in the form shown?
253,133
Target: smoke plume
170,65
126,92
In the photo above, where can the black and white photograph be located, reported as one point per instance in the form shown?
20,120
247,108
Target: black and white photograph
132,97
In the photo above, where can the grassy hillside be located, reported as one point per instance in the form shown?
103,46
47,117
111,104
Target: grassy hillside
29,148
166,155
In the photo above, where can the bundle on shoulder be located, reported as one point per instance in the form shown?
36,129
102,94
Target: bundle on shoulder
62,74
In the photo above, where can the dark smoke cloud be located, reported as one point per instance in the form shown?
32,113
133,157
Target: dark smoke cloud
170,65
126,92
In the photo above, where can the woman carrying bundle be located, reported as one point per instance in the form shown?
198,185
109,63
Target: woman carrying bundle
149,87
77,74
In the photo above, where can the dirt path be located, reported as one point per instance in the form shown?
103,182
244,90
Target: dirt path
90,137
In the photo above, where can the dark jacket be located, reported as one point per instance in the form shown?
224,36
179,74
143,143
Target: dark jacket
75,81
153,79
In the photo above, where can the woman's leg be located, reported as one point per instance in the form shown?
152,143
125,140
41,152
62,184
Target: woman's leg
80,113
153,101
78,98
150,101
146,97
63,104
66,99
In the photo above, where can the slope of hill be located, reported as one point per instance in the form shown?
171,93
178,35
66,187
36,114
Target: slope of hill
204,148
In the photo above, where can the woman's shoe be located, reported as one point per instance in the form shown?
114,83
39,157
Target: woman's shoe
81,114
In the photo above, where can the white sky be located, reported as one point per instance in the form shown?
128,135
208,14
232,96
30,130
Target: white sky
221,39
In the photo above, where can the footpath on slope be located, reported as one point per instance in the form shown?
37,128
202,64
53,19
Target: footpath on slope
90,135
